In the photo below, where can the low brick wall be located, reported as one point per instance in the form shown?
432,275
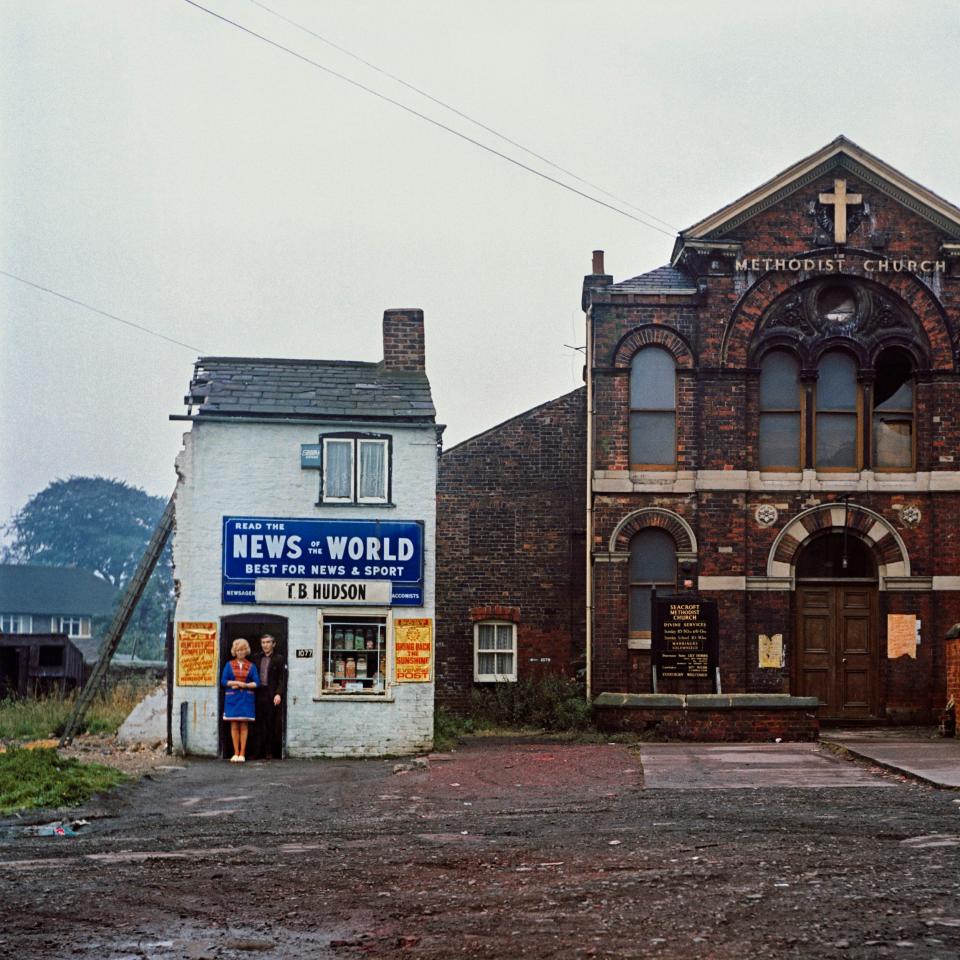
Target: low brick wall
738,717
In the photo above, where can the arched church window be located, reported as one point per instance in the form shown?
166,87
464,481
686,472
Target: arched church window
779,412
653,410
893,411
836,420
653,563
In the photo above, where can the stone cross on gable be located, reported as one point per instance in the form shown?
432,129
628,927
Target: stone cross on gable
840,200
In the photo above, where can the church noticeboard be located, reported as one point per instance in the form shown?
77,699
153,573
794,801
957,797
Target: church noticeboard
196,653
413,650
684,639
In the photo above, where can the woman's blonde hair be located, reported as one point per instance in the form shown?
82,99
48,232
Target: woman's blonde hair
239,644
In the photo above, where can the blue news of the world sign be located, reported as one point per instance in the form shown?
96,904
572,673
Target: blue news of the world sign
255,548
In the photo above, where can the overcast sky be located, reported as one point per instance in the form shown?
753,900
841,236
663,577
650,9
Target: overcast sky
167,168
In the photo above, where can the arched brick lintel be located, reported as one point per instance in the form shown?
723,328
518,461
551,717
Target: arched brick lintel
673,523
653,334
887,546
909,288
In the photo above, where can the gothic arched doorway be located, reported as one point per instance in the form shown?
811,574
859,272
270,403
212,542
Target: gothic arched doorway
837,638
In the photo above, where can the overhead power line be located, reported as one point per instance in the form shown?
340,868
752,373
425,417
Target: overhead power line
423,116
458,112
102,313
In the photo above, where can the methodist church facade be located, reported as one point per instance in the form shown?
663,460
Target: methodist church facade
771,422
774,422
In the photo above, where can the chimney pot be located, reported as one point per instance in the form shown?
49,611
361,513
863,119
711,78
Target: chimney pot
598,263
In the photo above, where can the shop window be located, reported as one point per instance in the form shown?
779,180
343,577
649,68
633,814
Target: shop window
74,626
653,410
353,655
495,652
653,564
355,469
836,420
779,412
893,412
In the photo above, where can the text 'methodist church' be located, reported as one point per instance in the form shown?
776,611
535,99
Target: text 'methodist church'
772,420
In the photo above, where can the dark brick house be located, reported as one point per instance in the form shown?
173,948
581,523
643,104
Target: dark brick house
775,416
511,507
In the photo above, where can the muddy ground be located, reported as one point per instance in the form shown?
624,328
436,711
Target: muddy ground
502,849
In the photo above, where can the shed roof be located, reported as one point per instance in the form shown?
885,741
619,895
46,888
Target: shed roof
307,389
68,591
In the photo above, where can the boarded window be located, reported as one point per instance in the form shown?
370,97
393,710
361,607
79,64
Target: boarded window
653,409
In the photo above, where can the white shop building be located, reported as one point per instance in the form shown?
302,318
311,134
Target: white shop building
305,508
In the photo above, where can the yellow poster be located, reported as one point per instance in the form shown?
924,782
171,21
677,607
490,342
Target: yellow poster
197,653
771,651
413,650
901,635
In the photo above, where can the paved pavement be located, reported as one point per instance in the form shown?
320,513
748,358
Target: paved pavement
712,766
918,752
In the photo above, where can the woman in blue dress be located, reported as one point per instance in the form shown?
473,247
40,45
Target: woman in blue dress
240,678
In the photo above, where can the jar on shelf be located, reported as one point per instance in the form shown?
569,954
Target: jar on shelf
351,668
339,668
371,642
348,638
358,640
361,668
338,637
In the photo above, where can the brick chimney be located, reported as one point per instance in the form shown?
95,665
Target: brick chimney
403,345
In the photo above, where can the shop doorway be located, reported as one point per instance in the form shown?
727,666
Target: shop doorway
836,656
251,626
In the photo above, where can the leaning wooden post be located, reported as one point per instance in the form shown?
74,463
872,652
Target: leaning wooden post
131,596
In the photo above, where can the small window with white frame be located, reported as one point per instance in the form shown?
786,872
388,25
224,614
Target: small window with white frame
356,469
355,652
74,626
495,652
15,623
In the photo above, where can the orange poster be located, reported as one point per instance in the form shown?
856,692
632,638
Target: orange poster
901,635
413,650
197,653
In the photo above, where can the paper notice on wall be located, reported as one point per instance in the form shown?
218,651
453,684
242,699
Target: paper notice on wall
197,653
413,650
771,651
901,635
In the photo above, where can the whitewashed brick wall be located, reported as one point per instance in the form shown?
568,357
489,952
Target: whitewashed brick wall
253,469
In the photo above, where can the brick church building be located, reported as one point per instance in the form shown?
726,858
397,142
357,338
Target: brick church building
771,420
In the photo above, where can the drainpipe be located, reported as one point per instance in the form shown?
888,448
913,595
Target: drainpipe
597,278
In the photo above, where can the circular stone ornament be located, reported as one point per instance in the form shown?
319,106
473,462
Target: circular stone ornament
766,515
910,515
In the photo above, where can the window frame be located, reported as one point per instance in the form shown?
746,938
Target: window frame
356,440
632,410
799,411
913,428
641,639
82,624
21,619
479,677
856,413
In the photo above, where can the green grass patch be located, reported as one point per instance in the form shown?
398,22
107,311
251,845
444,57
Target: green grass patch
449,729
31,779
42,717
552,703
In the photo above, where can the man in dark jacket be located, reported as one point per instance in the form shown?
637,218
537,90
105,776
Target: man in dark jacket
273,682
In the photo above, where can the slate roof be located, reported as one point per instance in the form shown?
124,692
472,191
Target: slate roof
664,279
321,389
67,591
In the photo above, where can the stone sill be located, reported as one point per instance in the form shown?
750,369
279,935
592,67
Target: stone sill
354,698
706,701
